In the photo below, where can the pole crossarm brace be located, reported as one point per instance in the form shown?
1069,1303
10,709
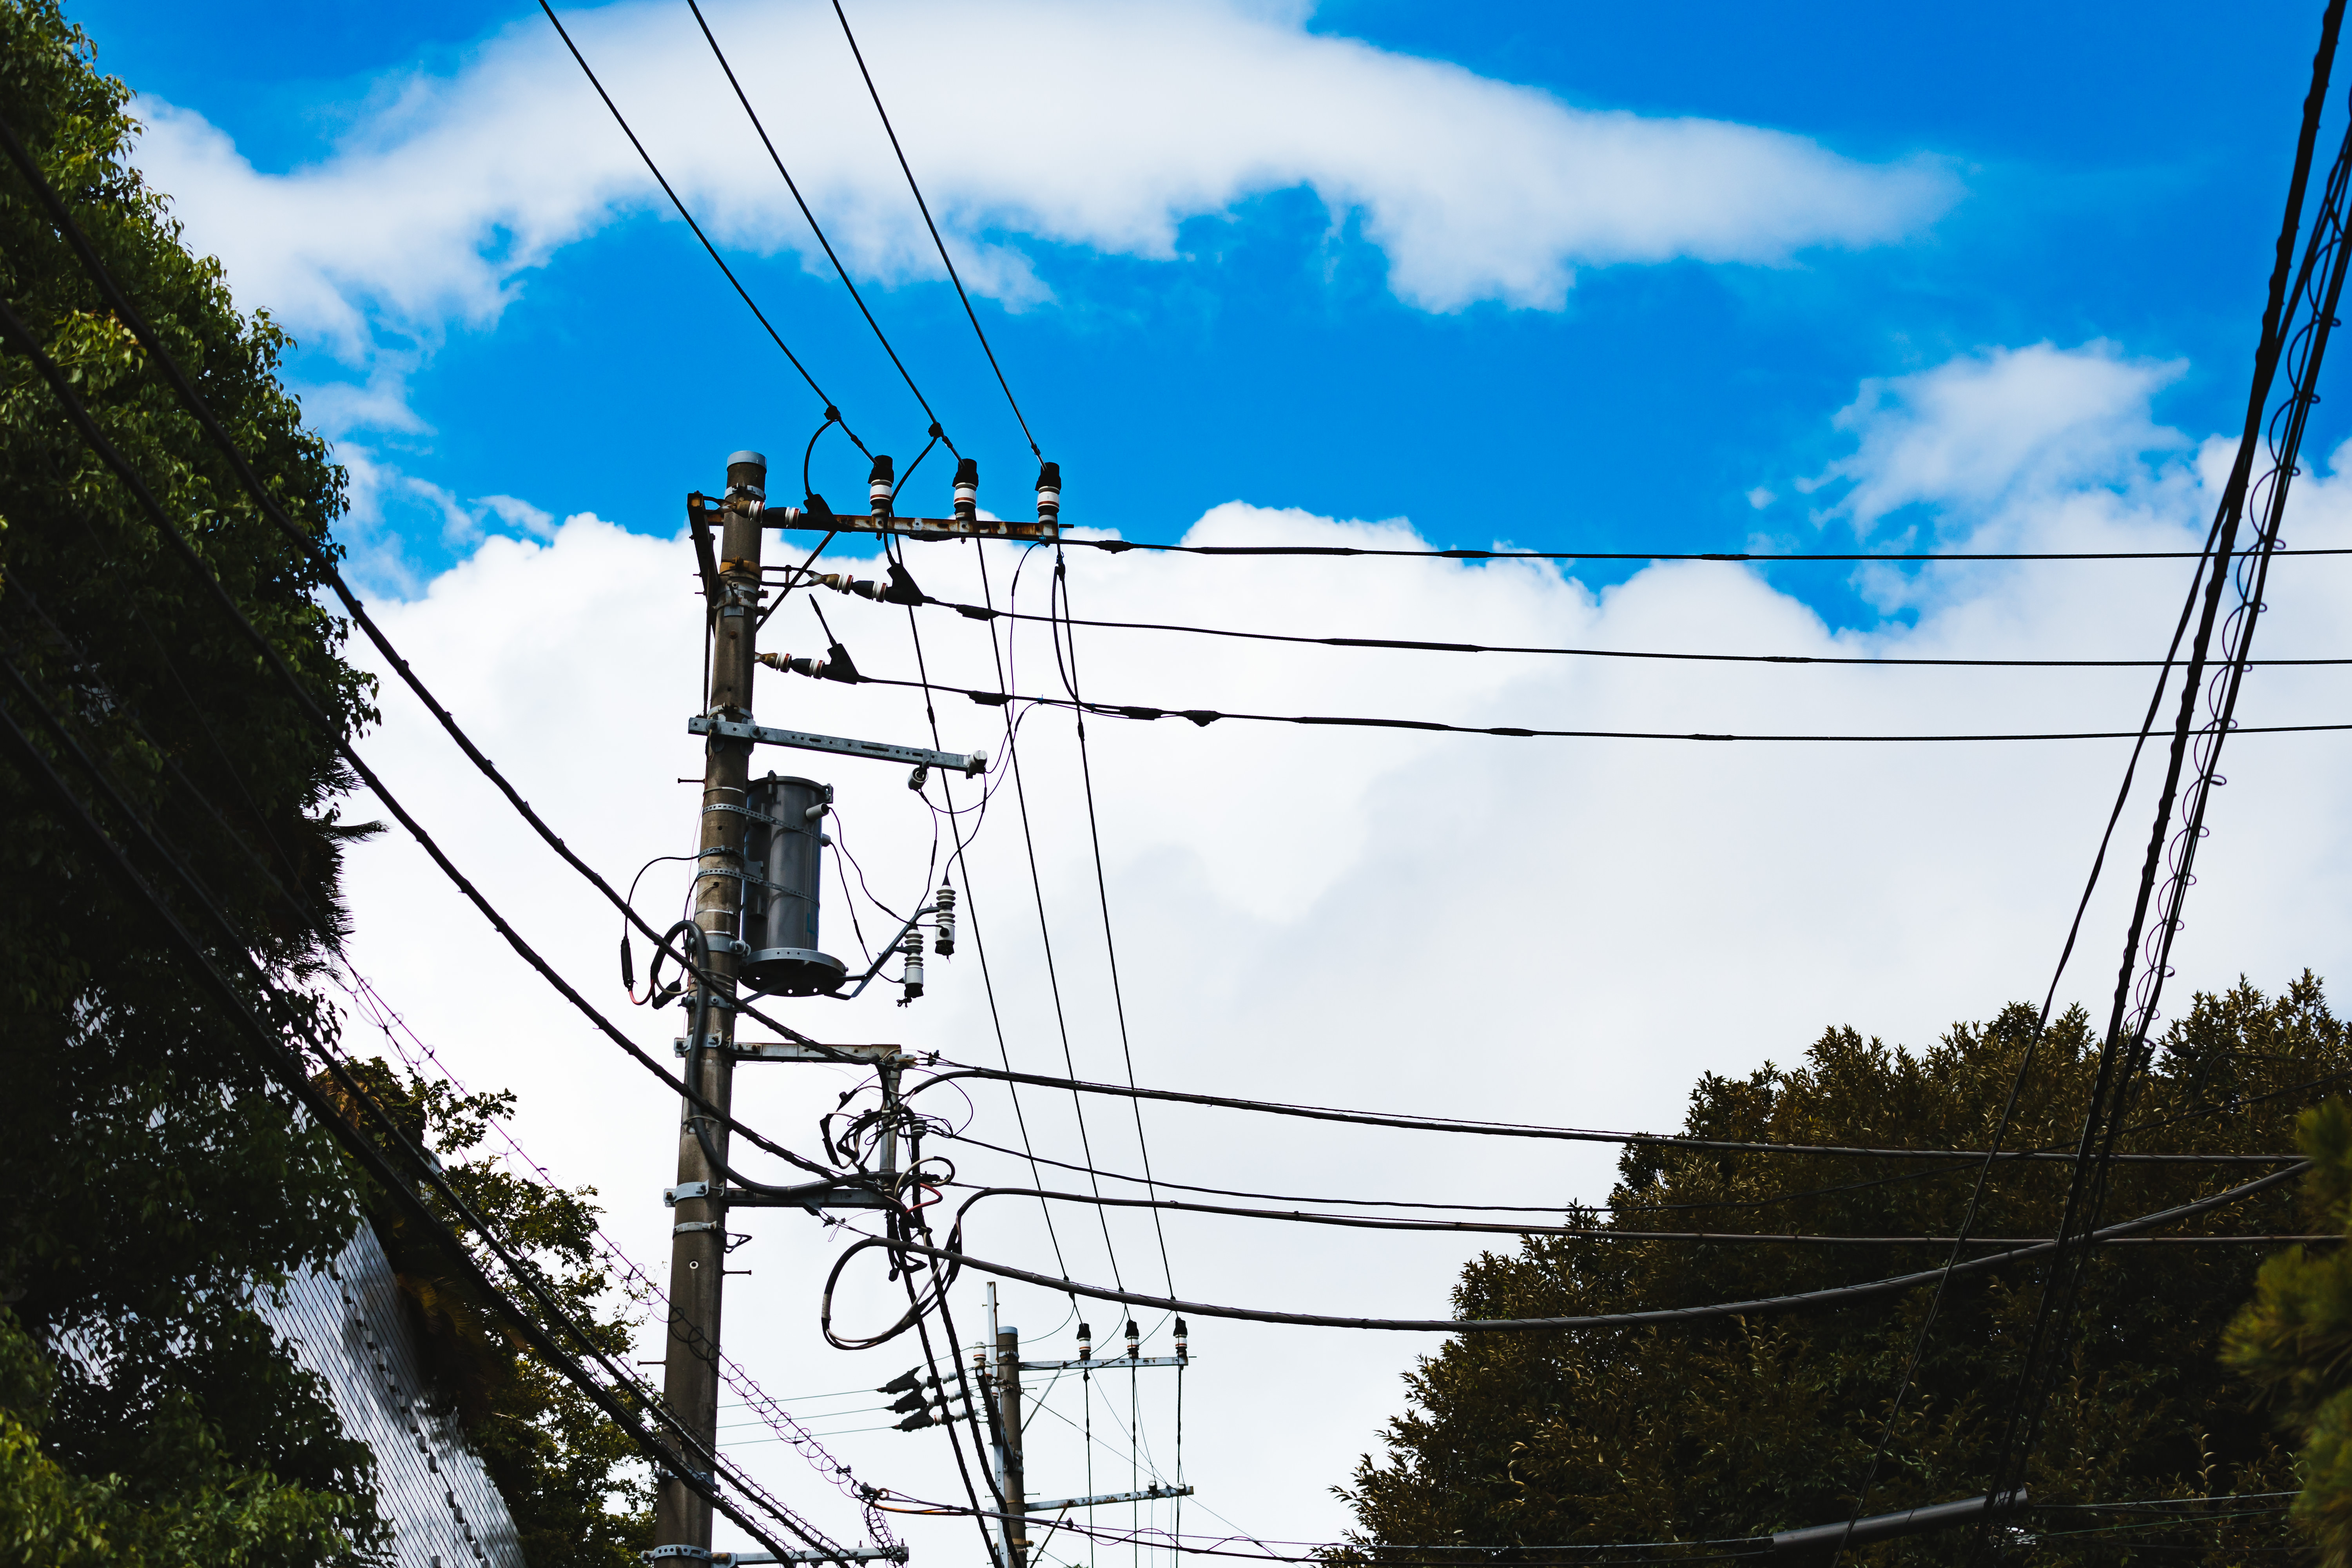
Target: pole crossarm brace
814,1196
801,740
913,527
1106,1364
792,1051
1055,1505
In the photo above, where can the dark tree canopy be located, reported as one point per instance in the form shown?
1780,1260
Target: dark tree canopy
1736,1427
153,1173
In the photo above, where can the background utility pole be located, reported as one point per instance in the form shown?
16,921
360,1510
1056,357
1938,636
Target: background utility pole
697,1253
1008,1416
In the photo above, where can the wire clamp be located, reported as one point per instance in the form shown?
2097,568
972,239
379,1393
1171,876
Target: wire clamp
685,1227
673,1197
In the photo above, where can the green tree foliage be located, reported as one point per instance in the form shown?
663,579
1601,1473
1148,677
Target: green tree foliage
153,1175
579,1494
2295,1339
1736,1427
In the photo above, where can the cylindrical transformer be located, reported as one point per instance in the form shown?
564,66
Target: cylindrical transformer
783,861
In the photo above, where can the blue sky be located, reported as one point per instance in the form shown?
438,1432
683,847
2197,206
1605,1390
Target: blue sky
2116,173
1591,277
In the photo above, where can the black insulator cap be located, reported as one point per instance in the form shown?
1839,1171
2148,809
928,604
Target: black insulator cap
1049,477
1085,1332
881,474
1130,1329
967,470
1180,1331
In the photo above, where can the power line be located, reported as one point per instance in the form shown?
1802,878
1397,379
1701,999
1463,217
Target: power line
833,414
2140,981
1415,645
1117,546
1568,1134
1204,717
1797,1301
322,561
818,229
945,258
13,328
1605,1233
272,1053
1058,598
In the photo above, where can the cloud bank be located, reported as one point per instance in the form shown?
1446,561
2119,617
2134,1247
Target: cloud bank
1045,123
1555,931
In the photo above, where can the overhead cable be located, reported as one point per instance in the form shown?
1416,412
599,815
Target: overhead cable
832,411
1417,645
323,561
1605,1233
1570,1134
1117,546
1204,717
1797,1301
816,228
271,1055
945,258
13,328
2317,291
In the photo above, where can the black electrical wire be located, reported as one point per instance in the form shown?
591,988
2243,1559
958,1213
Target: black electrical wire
818,229
1053,976
1604,1232
1570,1134
271,1055
2123,1049
1415,645
661,180
1115,546
1802,1300
1204,717
160,356
159,844
971,915
1058,603
13,328
949,261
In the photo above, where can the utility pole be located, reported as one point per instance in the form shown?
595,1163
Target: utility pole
1008,1418
697,1254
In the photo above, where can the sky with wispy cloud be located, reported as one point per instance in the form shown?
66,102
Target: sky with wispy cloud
1686,277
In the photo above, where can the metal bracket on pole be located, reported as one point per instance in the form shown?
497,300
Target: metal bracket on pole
673,1197
913,527
801,740
1106,1364
1055,1505
846,1554
792,1051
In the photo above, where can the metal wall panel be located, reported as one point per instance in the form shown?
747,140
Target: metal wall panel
347,1325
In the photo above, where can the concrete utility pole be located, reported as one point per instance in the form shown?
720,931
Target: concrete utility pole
697,1254
1008,1418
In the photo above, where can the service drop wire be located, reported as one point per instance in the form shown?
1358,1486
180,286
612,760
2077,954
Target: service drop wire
323,561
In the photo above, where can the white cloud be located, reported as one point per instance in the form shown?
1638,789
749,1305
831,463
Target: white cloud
1097,126
1988,429
1567,931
